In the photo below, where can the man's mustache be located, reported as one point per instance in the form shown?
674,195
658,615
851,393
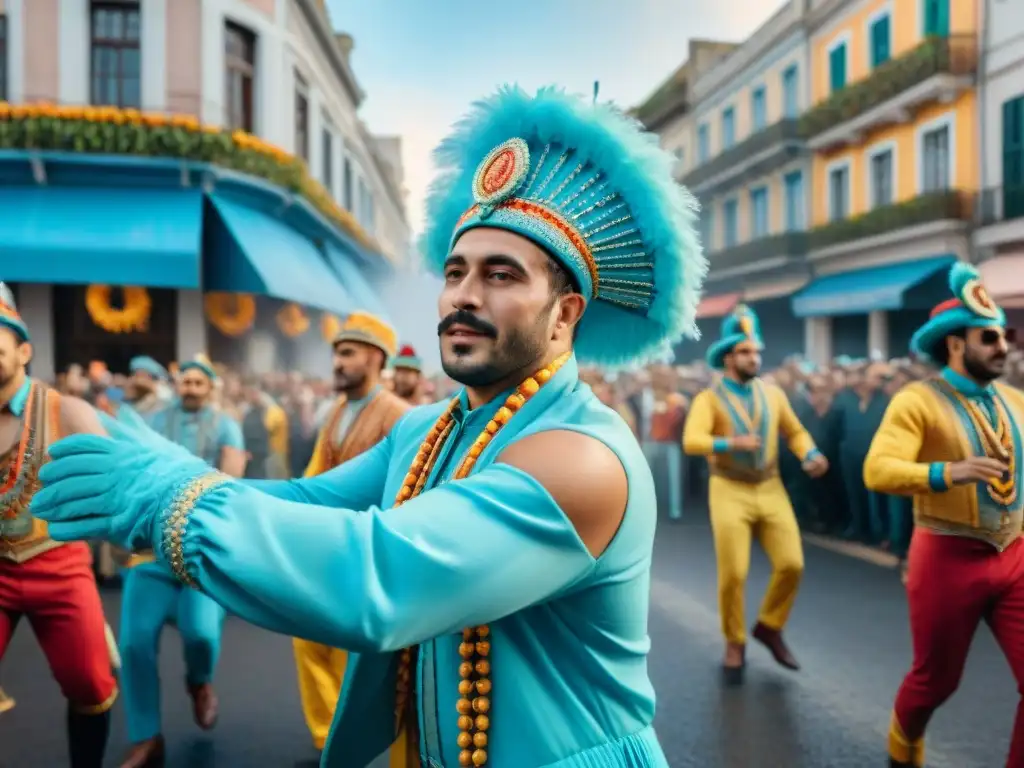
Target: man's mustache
468,319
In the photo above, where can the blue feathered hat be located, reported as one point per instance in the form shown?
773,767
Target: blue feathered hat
147,364
970,307
9,317
583,181
200,363
742,325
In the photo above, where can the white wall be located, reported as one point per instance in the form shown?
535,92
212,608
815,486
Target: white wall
1004,79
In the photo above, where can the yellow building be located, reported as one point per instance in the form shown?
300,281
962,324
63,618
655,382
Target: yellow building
893,125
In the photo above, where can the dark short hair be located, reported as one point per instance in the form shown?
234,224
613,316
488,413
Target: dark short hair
941,353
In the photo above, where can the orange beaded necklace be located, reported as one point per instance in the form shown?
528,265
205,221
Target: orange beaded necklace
475,686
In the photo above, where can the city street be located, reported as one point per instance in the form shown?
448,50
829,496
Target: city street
849,631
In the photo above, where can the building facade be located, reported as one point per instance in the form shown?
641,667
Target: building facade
750,170
893,125
199,147
999,237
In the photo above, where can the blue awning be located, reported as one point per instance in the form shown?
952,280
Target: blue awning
866,290
363,295
121,236
251,252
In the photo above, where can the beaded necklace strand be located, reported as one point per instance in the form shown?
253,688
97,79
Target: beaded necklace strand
475,685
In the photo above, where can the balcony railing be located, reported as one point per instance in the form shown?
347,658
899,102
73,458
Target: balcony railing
783,245
784,132
1000,204
956,55
925,209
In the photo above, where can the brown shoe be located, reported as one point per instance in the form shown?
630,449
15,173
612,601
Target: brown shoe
734,663
145,754
772,640
204,705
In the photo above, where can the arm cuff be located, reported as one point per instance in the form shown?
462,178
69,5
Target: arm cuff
812,454
720,445
938,476
174,520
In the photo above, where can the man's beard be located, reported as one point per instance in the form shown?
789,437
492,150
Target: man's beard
405,389
745,374
6,377
979,370
191,402
345,383
513,351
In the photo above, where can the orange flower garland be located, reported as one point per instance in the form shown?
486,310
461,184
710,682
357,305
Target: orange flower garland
330,327
111,130
230,313
292,320
132,317
475,686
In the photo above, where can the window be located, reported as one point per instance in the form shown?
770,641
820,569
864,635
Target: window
790,92
115,59
240,71
1013,158
880,40
346,185
301,118
794,190
881,170
327,158
730,216
936,17
839,193
837,67
758,212
707,228
703,144
3,57
935,160
758,109
728,128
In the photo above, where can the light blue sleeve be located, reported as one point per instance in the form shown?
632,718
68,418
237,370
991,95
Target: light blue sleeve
937,476
230,433
356,484
463,554
720,445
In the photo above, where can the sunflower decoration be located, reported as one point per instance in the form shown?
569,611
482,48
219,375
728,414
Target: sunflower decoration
330,327
233,314
292,320
131,317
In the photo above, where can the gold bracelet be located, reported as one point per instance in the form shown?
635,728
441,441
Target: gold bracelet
176,520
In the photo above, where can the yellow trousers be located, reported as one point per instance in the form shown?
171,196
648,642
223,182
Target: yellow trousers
321,671
740,511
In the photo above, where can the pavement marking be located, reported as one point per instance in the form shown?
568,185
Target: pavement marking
696,618
853,549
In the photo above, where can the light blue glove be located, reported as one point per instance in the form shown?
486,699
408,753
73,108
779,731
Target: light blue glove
132,427
111,488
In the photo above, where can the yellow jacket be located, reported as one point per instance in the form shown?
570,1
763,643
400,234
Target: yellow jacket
920,435
709,424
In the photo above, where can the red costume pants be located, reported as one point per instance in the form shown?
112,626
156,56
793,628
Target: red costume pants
953,583
56,592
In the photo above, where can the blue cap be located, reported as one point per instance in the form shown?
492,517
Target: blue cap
742,325
9,317
148,365
584,182
199,363
970,307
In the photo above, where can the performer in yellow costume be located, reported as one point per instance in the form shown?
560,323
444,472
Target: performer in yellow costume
736,424
363,415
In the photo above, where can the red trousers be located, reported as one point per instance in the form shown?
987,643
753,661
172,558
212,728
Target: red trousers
56,592
953,583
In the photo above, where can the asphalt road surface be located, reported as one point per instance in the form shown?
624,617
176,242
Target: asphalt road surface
849,631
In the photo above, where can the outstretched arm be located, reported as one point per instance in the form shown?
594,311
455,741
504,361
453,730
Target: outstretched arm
469,549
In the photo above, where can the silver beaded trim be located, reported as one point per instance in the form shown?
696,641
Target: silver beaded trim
176,518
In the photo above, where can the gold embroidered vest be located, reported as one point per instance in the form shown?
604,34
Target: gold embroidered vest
22,536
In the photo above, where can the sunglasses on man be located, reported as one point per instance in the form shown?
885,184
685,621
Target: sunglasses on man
991,336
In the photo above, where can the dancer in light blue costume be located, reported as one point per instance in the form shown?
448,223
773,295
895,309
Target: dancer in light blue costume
547,206
153,596
147,389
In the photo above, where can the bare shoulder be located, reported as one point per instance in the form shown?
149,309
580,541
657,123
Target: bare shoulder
584,477
78,417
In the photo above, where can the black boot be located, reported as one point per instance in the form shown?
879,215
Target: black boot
87,738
